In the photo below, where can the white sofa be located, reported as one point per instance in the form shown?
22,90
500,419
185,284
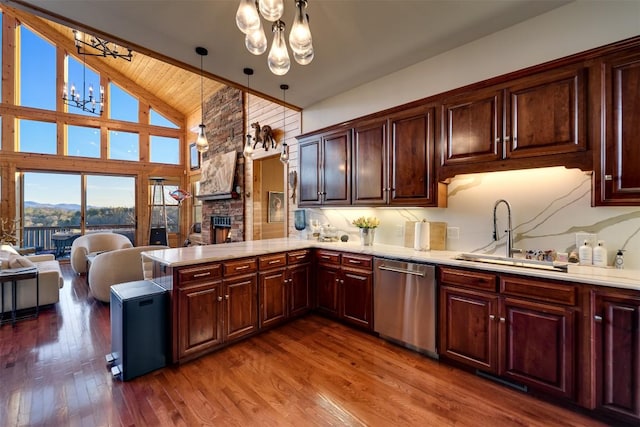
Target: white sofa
94,243
118,266
49,275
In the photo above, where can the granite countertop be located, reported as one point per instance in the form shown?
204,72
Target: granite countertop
178,257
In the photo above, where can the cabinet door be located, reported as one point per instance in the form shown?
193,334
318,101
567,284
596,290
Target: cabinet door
546,114
472,125
620,179
327,289
355,296
411,161
309,173
241,313
273,297
370,164
468,327
336,168
618,354
539,345
298,282
199,313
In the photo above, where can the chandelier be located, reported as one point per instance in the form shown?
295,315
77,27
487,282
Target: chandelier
89,104
249,22
99,47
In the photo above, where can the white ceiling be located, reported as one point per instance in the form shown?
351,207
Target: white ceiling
355,41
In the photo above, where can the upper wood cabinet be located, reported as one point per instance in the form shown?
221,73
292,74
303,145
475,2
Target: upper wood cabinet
370,163
325,169
524,123
616,108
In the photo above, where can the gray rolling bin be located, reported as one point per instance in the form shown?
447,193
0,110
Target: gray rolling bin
138,329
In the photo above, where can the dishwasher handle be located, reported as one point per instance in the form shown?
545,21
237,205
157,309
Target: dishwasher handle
401,270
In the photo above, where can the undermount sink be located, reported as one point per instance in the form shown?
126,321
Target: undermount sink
513,262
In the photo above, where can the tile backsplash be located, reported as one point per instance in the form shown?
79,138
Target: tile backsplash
549,207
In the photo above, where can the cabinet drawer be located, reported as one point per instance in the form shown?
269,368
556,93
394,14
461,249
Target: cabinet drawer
540,290
328,257
360,261
266,262
240,266
197,274
468,278
298,257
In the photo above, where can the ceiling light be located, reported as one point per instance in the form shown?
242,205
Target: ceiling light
248,148
202,145
284,155
248,21
99,47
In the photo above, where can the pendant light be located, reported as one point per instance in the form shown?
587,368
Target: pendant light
278,59
284,156
248,148
202,145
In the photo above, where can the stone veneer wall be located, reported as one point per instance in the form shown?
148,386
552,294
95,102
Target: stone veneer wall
224,118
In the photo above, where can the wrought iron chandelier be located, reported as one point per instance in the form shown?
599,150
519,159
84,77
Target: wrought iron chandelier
72,98
249,22
99,47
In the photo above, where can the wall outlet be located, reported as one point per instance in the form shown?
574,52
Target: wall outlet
453,233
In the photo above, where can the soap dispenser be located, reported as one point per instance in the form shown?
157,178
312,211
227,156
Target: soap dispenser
619,262
600,255
585,253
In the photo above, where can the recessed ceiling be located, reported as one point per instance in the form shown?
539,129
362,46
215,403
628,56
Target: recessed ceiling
355,41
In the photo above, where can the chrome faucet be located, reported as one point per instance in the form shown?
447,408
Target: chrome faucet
509,230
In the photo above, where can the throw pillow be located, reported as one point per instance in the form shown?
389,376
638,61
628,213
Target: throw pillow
18,261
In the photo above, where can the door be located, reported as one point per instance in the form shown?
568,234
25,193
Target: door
370,184
468,330
355,291
336,168
539,342
327,288
199,312
298,282
273,297
309,174
241,313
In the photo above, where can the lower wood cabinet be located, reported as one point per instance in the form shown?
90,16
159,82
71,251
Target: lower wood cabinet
617,341
520,329
240,307
345,287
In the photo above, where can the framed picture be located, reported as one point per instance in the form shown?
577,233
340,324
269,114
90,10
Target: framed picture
194,157
276,207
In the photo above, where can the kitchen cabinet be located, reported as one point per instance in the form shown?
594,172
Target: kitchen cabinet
345,287
535,121
240,310
284,282
616,110
325,169
617,342
393,160
523,331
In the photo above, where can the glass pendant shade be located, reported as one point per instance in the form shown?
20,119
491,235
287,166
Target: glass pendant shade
247,18
304,58
278,60
202,145
284,156
256,42
271,10
300,35
248,149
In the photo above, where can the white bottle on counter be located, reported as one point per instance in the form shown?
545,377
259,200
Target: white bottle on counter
585,254
600,255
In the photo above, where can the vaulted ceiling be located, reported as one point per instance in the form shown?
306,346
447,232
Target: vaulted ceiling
355,41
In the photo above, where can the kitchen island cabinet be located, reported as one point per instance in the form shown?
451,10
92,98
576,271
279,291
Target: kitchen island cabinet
524,331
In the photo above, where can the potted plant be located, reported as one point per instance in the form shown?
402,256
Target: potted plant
367,226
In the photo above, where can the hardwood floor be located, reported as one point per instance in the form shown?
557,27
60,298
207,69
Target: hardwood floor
309,372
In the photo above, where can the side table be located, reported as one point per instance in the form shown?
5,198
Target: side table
13,276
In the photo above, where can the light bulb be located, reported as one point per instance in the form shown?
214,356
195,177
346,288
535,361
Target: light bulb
256,42
278,60
202,145
284,156
304,58
247,18
300,35
271,10
248,149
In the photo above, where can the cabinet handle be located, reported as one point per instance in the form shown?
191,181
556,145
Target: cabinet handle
226,297
353,261
208,273
608,177
507,138
497,140
342,282
597,318
492,317
300,257
219,299
337,280
325,257
243,267
275,261
502,319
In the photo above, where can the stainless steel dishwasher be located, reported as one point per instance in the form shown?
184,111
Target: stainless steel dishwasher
404,304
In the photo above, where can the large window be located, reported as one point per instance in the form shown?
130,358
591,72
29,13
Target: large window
37,137
124,146
83,141
37,62
122,106
164,149
158,119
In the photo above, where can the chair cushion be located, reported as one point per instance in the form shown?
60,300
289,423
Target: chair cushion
18,261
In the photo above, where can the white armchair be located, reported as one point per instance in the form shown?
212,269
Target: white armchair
92,244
